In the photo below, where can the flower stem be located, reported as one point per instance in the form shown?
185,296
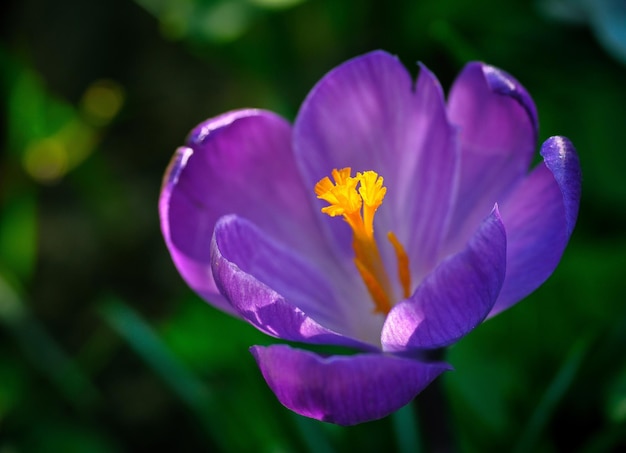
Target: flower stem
434,416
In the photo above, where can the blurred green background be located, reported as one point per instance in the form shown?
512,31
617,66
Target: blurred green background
103,348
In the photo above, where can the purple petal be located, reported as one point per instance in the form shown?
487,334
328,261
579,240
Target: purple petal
242,163
275,289
431,172
360,115
365,115
561,159
455,297
345,390
539,217
195,271
498,127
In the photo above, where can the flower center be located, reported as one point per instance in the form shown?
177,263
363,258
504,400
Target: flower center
356,199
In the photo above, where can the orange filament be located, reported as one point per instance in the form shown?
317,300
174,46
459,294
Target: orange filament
403,264
358,206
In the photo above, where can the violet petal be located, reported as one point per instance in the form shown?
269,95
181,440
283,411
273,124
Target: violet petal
425,203
360,115
240,162
454,298
498,133
539,217
274,288
345,390
195,269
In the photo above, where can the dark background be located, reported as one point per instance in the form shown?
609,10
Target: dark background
103,348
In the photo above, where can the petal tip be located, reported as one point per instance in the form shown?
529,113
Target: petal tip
504,83
562,160
201,133
176,166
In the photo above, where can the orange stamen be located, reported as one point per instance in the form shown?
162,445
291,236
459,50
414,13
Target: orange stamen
358,206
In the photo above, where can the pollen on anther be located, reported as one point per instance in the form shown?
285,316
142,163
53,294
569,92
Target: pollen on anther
371,189
342,196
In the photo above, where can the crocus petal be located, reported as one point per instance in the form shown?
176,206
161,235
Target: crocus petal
431,170
498,127
455,297
366,115
539,218
340,389
195,271
360,115
274,289
240,162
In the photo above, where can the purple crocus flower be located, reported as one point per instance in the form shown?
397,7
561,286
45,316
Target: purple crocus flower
386,220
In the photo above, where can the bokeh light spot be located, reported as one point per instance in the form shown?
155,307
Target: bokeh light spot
276,4
46,160
102,101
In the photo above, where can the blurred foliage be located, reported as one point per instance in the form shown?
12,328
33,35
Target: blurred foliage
605,17
104,349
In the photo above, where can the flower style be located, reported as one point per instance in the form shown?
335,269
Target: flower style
384,220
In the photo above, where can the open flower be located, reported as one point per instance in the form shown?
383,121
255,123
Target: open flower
385,220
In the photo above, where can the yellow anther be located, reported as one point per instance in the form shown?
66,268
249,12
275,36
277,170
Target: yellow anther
371,190
357,206
323,187
342,196
342,176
